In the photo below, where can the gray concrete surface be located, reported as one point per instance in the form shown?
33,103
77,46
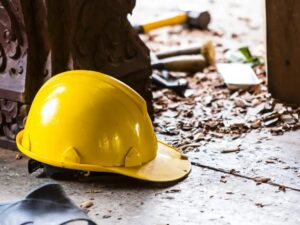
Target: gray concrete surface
274,157
206,196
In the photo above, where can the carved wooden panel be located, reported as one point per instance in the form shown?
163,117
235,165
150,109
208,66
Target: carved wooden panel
12,120
13,50
40,38
114,47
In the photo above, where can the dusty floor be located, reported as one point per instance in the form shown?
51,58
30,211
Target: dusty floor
205,197
222,188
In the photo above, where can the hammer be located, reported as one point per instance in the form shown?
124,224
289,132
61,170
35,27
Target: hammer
190,18
207,50
186,59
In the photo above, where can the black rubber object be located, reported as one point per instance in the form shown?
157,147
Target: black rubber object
46,205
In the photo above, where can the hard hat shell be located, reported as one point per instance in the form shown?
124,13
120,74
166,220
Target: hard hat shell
88,121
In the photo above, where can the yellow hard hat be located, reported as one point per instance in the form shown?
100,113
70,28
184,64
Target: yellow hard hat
88,121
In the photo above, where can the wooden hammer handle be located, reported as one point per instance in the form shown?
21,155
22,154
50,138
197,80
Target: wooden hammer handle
183,63
175,19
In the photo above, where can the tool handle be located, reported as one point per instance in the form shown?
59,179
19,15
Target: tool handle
190,50
183,63
175,19
207,50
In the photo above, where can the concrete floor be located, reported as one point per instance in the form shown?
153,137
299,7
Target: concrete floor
205,197
210,194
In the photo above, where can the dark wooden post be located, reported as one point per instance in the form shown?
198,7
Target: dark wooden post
283,49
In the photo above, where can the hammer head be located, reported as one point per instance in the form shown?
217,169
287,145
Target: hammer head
199,20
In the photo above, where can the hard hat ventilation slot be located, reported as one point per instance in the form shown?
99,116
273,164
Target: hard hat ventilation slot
133,158
26,143
70,155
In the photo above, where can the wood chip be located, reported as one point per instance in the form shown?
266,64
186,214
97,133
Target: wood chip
237,124
208,100
86,204
171,130
271,122
193,145
289,119
270,116
199,137
279,108
217,135
239,102
256,124
260,180
277,130
231,149
19,156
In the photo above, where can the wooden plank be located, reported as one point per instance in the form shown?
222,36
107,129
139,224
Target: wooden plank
283,49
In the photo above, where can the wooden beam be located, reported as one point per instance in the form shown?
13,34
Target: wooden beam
283,49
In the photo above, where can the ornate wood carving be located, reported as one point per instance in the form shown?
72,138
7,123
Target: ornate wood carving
13,50
12,120
40,38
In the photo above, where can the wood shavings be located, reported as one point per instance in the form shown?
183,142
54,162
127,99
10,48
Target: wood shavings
212,111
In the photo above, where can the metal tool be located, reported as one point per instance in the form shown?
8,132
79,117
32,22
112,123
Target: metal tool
177,85
207,50
165,80
181,61
199,20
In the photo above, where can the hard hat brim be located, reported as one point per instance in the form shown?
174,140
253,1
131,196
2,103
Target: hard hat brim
168,165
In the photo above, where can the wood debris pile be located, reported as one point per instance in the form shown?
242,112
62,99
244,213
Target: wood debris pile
211,110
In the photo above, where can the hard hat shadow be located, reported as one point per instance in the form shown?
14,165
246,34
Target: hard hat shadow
120,181
115,181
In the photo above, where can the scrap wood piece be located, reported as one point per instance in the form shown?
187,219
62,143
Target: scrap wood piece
240,102
193,145
231,149
288,118
270,116
271,122
256,124
19,156
260,180
277,130
86,204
